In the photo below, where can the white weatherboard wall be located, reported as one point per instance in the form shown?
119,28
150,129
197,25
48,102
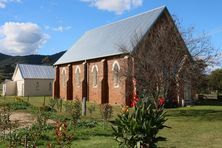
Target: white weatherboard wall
20,88
29,86
19,83
38,87
9,88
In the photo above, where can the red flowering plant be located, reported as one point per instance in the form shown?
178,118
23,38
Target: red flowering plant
135,96
63,137
161,102
134,101
140,127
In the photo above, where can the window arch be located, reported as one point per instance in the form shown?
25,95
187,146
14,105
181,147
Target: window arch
63,77
95,75
77,75
116,74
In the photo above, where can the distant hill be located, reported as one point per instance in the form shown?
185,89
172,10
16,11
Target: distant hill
3,56
8,63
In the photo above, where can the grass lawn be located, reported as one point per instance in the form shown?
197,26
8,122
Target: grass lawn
0,88
198,126
193,127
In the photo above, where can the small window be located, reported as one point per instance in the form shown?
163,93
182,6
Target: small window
50,86
116,75
37,86
64,77
77,73
95,75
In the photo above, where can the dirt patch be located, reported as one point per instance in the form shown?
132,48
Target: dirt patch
26,119
23,119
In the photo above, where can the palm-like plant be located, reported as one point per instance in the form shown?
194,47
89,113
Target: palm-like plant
139,129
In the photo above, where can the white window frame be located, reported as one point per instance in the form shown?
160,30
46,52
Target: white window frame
93,81
116,63
79,81
64,77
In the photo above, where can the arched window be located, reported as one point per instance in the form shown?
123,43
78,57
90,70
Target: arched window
116,75
63,77
77,76
95,75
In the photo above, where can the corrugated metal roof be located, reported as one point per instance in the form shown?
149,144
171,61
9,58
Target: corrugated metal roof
29,71
106,40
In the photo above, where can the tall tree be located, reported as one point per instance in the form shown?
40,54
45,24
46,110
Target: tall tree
215,80
167,56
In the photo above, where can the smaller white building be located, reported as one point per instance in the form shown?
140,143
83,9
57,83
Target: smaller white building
30,80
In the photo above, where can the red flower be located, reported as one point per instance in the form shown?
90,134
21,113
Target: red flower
161,101
134,101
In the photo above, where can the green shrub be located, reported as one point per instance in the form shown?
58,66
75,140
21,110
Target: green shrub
6,125
19,105
47,109
32,136
59,104
64,137
106,111
87,124
52,103
74,109
91,109
140,128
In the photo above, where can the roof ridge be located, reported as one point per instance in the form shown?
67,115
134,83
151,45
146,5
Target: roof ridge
36,65
139,14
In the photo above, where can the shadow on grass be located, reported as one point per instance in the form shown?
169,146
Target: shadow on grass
87,136
210,102
201,114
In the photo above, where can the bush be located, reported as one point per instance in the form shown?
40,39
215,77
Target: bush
30,137
52,103
140,128
6,125
59,104
47,109
106,111
63,136
74,109
19,105
87,124
91,109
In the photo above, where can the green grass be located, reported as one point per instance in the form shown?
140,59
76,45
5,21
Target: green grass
198,126
193,127
35,101
0,89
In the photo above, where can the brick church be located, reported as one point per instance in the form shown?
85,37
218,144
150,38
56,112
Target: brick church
91,67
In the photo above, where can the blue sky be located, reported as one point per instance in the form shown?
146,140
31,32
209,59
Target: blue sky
50,26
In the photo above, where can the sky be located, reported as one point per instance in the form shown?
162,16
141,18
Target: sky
50,26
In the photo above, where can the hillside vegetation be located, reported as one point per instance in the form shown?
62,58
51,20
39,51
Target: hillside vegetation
8,63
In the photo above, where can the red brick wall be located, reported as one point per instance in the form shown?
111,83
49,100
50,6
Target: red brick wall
77,89
55,91
62,88
105,91
95,92
117,94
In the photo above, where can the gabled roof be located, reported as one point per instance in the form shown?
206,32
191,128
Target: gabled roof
29,71
106,40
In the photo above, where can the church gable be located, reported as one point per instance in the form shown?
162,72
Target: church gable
105,41
91,68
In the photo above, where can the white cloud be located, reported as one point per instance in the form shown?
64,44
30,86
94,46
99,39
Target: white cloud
3,3
61,28
58,29
117,6
21,38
